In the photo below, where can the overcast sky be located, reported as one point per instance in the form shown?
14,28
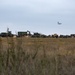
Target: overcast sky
38,16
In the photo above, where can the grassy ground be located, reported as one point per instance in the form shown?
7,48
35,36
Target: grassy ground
37,56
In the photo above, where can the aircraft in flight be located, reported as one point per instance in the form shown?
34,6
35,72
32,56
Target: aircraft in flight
59,23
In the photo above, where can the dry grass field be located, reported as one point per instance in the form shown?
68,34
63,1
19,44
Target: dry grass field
37,56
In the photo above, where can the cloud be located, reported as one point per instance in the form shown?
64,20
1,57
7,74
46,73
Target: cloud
34,10
40,5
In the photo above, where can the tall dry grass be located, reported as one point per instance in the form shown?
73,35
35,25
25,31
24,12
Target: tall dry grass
37,56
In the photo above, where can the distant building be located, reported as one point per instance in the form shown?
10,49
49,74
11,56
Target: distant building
22,34
65,36
27,33
9,34
3,34
36,35
72,35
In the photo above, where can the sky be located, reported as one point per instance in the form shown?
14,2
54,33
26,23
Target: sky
38,16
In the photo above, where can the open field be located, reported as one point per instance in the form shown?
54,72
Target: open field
37,56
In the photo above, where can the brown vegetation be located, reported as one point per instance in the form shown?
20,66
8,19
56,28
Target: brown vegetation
37,56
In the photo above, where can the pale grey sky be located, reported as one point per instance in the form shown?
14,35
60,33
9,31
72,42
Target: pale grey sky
38,16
